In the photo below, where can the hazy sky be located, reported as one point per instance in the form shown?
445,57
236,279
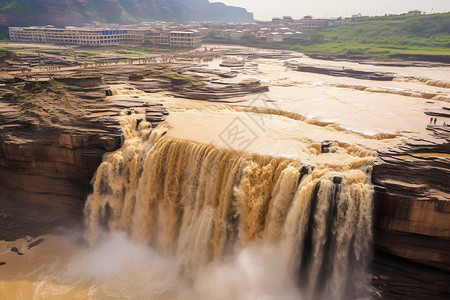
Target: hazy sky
266,9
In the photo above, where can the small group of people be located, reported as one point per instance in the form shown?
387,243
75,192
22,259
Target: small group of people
50,68
434,120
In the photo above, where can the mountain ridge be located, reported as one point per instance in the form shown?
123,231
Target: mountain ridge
78,12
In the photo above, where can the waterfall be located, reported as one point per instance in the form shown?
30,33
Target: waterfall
203,204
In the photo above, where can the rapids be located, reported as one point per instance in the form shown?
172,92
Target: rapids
204,205
225,202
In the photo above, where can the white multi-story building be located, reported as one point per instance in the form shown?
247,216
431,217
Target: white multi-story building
77,35
185,39
104,36
175,39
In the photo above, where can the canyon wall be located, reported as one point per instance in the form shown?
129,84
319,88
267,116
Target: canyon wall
412,219
44,178
52,140
412,202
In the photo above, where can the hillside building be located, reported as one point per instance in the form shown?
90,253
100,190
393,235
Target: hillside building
415,12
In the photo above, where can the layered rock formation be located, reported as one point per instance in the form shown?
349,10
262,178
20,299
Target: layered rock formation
413,202
218,92
412,218
334,71
398,278
9,60
53,137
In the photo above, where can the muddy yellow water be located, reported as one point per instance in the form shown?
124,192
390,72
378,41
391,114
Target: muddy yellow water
59,268
381,107
263,133
215,208
230,201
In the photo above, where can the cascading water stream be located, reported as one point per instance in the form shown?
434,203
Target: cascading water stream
203,205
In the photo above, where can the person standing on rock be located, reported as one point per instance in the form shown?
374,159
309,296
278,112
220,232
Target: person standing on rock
431,120
435,120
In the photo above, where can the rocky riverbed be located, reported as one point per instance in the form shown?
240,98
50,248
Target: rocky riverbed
56,125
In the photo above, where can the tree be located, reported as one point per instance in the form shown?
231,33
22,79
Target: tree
149,42
212,34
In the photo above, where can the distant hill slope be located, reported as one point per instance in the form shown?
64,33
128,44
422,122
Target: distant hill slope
384,37
77,12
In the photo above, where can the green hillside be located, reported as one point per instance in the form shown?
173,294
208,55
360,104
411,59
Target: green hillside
383,37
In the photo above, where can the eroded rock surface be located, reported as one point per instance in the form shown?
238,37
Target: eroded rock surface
397,278
52,138
344,72
412,217
219,92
